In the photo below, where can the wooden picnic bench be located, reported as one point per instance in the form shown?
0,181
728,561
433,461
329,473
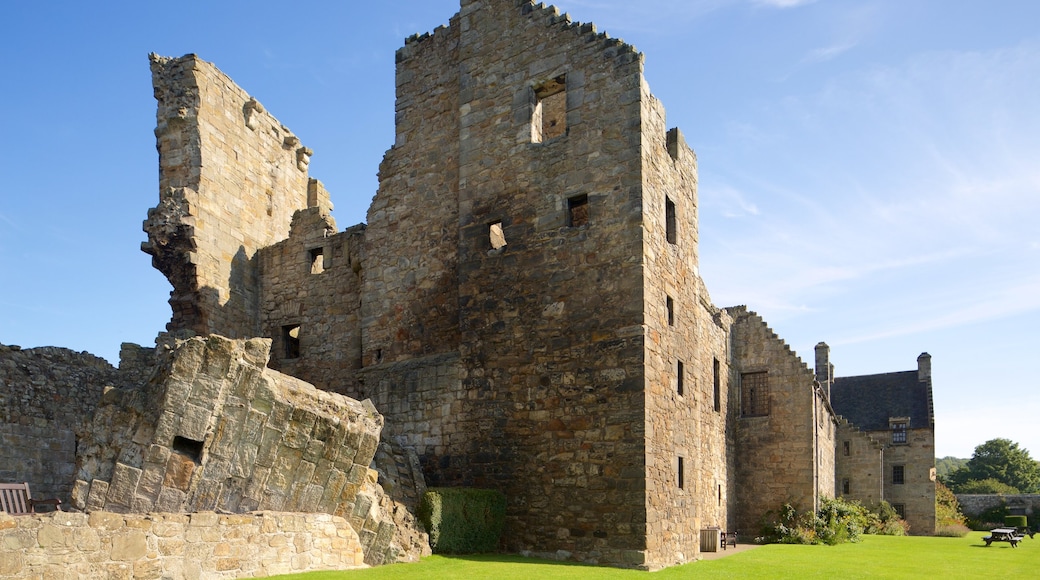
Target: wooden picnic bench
1009,535
16,500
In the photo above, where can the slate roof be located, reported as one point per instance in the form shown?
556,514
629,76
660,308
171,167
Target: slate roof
868,401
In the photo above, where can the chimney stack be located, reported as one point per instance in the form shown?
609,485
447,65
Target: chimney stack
924,367
824,368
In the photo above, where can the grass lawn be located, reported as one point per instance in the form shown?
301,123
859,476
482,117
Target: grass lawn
874,557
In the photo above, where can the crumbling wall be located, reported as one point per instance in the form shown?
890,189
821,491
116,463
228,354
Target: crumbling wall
785,433
47,397
216,430
230,178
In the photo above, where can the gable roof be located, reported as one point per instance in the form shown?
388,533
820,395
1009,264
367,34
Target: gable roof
869,401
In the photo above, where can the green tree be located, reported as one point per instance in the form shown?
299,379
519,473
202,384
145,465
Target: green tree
1002,460
989,486
944,466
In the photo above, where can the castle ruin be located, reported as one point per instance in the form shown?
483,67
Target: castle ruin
523,308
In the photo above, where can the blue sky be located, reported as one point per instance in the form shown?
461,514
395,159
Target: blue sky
869,170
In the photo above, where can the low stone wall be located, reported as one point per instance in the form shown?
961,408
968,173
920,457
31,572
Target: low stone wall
972,504
194,546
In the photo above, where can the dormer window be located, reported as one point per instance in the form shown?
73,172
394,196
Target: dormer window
899,427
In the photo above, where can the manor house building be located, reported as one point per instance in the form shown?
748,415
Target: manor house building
523,305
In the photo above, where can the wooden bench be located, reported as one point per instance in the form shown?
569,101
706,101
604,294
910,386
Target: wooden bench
16,500
729,539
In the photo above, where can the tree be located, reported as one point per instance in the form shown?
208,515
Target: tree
944,466
1001,460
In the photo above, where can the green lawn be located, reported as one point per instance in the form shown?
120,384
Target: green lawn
874,557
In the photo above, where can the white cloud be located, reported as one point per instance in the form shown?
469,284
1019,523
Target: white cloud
782,3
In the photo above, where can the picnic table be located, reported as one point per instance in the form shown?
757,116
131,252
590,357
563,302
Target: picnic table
1009,535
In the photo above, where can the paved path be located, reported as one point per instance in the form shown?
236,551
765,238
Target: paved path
729,551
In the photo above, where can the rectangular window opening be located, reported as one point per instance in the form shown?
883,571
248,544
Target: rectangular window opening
900,509
317,260
898,475
846,449
754,394
549,117
845,486
682,481
291,340
669,221
680,380
720,494
497,235
669,305
189,448
578,211
717,382
899,432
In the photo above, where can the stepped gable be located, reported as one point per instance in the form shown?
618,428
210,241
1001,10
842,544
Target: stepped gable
870,400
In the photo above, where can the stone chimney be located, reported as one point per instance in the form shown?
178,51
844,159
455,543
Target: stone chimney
824,369
924,367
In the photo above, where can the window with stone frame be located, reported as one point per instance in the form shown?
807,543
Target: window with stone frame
716,384
754,394
317,260
578,211
549,115
291,341
669,305
680,377
845,486
900,509
899,429
670,227
846,448
681,474
898,474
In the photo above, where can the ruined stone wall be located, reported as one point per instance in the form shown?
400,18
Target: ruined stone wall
73,546
917,492
410,285
216,430
785,448
231,177
311,301
687,421
858,458
47,396
551,305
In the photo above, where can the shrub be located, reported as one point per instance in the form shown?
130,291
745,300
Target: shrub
989,519
947,509
952,530
1015,521
463,520
837,521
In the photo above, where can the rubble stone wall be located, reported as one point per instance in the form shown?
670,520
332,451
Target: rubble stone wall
231,176
786,448
201,545
858,458
216,430
47,398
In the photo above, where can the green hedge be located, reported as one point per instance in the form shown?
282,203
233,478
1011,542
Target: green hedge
1015,521
463,520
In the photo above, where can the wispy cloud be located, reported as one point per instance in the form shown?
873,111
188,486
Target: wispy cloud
782,3
828,52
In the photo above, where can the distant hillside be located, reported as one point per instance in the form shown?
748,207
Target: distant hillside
945,465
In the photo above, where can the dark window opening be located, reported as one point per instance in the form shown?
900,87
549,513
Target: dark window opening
379,355
845,448
496,235
317,261
898,433
189,448
900,509
682,482
898,475
549,117
669,305
720,494
845,486
754,394
669,221
679,377
717,382
578,211
291,340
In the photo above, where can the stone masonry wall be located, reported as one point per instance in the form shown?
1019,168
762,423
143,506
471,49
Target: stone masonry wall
917,493
786,454
47,396
202,546
860,464
975,504
683,327
231,176
551,321
312,282
216,430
